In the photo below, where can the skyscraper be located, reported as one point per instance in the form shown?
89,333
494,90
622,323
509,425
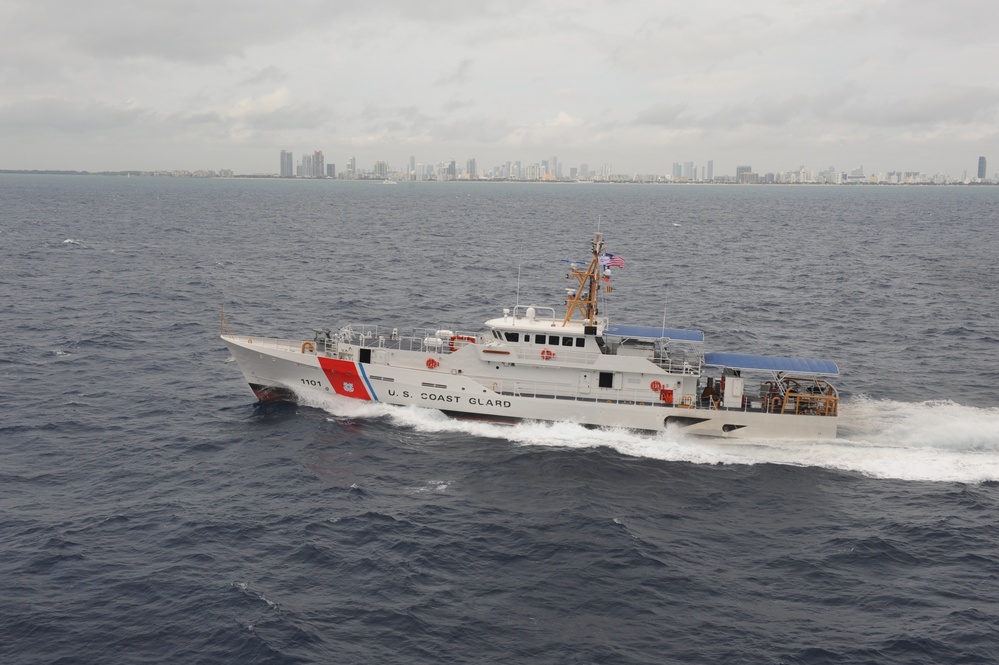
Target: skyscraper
711,170
981,168
287,164
318,164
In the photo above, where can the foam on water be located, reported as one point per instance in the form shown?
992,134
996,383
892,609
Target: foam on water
928,441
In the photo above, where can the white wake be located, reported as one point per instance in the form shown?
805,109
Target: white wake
934,441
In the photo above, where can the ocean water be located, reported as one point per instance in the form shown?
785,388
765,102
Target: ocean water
152,512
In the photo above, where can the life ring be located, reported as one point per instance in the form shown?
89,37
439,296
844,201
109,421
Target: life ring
656,386
455,338
249,340
547,354
312,347
432,363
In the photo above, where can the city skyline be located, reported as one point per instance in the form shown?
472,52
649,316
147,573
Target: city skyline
638,84
314,165
557,169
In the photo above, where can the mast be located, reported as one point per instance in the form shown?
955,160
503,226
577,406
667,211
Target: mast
584,300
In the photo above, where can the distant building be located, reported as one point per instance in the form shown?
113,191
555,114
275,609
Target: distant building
981,168
711,170
305,168
287,164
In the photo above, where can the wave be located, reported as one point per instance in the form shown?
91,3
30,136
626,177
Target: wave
938,441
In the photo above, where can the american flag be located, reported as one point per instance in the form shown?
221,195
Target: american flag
608,260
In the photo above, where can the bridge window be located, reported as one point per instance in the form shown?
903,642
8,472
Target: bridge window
512,337
580,342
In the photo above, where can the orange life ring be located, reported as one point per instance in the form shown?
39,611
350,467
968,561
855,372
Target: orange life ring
656,386
432,364
312,347
455,338
547,354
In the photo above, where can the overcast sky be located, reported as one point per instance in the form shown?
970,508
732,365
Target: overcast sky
639,84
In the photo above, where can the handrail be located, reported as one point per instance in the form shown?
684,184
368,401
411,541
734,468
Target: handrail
811,404
520,311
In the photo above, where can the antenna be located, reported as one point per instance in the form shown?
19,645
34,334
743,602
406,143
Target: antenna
519,266
664,315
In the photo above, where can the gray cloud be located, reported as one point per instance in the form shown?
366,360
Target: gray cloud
458,75
53,115
637,82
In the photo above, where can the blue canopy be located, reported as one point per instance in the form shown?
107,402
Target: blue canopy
774,363
653,332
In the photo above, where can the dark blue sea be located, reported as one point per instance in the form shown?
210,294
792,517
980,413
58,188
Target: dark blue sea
152,512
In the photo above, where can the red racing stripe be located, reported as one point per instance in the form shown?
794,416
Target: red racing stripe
345,378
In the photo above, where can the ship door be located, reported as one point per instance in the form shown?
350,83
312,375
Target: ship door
585,382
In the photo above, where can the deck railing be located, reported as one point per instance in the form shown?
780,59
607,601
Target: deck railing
424,340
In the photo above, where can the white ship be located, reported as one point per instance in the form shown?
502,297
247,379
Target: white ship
532,364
